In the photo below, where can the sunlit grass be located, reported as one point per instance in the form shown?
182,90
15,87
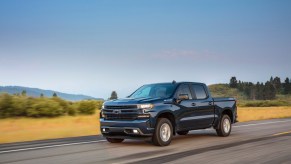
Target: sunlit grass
28,129
262,113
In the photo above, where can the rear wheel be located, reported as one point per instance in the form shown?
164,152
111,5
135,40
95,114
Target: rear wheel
114,140
163,132
183,132
224,128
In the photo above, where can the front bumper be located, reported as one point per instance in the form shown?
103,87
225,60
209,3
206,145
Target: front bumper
126,129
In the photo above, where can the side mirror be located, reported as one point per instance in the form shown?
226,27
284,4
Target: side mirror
169,101
182,97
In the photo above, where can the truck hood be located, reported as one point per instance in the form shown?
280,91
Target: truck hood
127,101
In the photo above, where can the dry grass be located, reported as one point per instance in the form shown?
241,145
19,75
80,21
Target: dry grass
262,113
27,129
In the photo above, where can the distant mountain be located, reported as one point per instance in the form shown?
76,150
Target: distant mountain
36,92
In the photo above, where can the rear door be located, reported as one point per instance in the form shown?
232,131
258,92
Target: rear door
203,105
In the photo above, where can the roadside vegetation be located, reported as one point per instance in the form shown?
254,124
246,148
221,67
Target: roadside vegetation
24,106
272,93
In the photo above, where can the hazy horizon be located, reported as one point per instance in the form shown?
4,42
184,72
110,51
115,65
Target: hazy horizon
95,47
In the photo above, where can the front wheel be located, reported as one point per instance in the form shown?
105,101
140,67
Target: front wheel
163,132
114,140
224,128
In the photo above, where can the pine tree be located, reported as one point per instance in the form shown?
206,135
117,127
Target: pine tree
277,84
113,95
23,93
41,95
269,91
271,80
55,94
287,86
233,82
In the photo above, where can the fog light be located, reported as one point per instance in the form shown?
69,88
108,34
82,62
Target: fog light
135,131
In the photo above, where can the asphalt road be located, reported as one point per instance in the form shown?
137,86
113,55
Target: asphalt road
266,141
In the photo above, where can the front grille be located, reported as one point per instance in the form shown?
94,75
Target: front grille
120,112
120,116
120,106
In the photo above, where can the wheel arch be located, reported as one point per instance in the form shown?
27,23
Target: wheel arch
169,115
227,111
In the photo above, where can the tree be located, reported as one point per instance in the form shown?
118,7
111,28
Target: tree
87,107
113,95
23,93
41,95
259,91
271,79
277,84
55,94
269,91
45,108
287,86
6,108
233,82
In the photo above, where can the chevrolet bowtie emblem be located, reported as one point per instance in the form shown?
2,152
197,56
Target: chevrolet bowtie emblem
117,111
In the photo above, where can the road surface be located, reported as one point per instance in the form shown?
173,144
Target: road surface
267,141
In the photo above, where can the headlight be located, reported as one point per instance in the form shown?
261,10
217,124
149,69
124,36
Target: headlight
101,114
145,106
102,106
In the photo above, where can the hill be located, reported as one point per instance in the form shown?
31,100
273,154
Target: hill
223,90
36,92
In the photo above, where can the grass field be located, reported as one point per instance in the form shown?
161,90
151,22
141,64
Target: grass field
27,129
262,113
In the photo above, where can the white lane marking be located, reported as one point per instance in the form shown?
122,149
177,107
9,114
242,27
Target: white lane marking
50,146
263,123
79,143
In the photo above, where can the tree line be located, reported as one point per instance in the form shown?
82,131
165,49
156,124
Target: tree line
260,90
20,105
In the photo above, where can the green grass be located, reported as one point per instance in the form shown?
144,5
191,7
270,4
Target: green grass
264,103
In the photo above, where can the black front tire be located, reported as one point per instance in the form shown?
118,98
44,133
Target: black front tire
183,132
157,139
114,140
222,129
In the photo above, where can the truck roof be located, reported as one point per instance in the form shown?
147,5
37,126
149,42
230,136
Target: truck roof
181,82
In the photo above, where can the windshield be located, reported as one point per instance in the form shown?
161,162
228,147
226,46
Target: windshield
154,91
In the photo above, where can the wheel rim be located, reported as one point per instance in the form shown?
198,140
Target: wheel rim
226,125
165,132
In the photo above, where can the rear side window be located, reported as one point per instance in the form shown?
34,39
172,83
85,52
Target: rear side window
199,91
184,89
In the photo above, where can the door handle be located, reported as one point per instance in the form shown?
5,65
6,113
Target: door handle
193,104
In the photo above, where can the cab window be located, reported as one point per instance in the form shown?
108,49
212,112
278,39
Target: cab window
184,89
199,91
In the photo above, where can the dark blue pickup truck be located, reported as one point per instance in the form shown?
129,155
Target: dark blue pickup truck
159,111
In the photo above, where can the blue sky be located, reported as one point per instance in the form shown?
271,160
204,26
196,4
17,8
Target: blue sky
94,47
